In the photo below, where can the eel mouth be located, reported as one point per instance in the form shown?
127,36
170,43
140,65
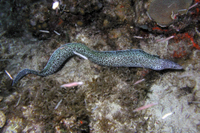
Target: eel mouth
171,65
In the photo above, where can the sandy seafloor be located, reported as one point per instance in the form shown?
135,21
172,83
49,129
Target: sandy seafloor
107,99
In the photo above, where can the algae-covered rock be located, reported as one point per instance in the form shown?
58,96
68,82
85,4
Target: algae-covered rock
14,125
178,96
163,11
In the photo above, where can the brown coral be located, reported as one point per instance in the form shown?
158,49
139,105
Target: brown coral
163,11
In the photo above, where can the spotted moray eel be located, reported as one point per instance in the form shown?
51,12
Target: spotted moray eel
122,58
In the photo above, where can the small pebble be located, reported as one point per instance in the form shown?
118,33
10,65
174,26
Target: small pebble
2,119
1,98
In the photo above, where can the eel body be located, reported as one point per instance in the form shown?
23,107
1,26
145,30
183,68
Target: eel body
122,58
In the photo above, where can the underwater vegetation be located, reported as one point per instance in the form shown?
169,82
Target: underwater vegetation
100,98
10,18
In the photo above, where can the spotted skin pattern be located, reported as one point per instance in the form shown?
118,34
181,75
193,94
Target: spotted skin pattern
122,58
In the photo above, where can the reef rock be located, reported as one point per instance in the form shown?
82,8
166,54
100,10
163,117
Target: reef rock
164,11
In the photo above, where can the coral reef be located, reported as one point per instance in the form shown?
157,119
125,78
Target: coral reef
177,93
